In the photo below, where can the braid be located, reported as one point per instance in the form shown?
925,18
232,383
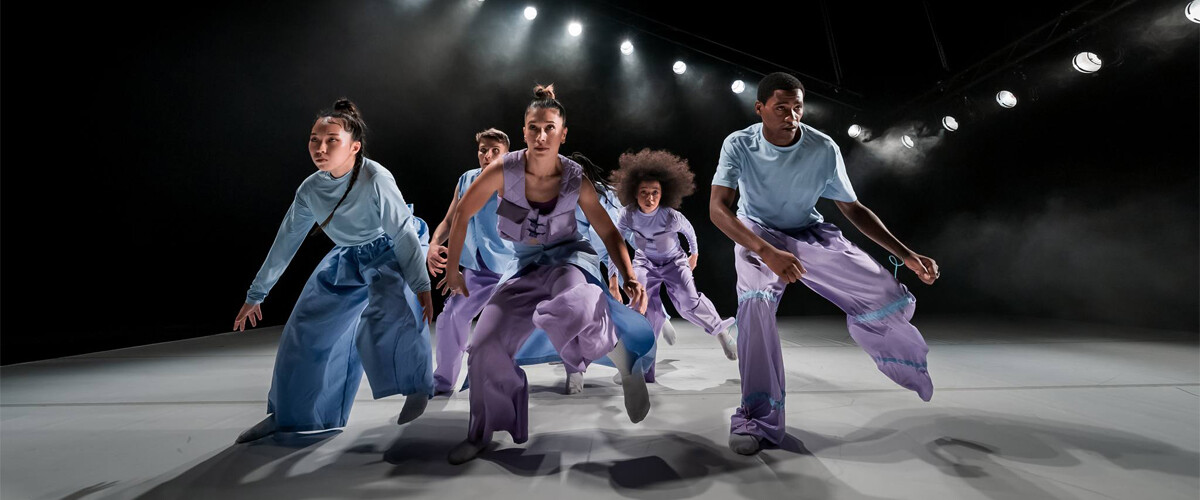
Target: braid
593,173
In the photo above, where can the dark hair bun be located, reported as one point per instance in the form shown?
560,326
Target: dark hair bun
544,92
346,106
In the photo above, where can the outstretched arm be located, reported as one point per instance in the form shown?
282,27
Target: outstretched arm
488,183
784,264
435,260
295,226
869,224
603,225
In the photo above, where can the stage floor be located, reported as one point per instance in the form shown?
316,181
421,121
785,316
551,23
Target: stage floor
1023,409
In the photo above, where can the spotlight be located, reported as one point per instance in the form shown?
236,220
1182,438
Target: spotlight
626,47
738,86
907,141
1193,11
530,13
1006,99
575,29
950,123
679,67
1086,62
855,131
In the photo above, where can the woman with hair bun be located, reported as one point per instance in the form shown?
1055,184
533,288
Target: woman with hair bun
557,288
652,184
367,306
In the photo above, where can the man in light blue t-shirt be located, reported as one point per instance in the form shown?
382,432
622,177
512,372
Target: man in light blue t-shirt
781,167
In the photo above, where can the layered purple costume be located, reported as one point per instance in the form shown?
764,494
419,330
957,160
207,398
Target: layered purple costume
557,289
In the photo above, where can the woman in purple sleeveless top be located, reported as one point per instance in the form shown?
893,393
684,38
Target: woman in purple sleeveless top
557,288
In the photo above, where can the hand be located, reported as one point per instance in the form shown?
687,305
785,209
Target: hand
435,260
784,264
426,300
692,260
453,283
637,296
253,312
925,267
614,287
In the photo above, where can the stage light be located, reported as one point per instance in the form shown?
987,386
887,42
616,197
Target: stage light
1006,99
626,47
738,86
575,29
950,123
855,131
1193,11
679,67
907,141
1086,62
530,13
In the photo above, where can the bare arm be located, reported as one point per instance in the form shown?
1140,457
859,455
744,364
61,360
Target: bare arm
784,264
434,259
869,224
488,183
617,252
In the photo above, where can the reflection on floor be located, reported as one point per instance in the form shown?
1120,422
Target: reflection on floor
1023,409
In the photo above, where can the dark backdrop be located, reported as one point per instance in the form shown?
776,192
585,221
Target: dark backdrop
148,164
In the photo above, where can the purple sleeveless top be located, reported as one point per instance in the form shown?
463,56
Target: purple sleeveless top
521,223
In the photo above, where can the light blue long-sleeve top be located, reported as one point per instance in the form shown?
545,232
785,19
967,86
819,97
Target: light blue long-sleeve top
780,186
609,201
482,235
656,234
373,208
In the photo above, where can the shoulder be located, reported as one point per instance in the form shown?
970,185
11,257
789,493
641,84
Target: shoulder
572,173
814,138
743,138
373,172
469,176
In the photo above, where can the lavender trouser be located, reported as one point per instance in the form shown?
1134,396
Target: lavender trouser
454,324
557,299
878,309
676,276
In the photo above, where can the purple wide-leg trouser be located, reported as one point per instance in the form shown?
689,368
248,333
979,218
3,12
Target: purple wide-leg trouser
878,309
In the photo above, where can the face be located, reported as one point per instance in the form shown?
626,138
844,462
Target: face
489,150
544,132
331,147
782,112
649,194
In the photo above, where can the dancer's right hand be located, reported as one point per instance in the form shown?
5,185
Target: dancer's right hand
638,300
784,264
435,260
253,312
426,300
454,283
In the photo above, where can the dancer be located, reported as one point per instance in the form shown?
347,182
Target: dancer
652,184
486,257
557,287
358,310
781,167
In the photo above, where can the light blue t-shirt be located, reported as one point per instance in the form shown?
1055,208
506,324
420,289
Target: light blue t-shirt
779,186
482,234
373,208
610,203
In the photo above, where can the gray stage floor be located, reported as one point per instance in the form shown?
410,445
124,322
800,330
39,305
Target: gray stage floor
1023,409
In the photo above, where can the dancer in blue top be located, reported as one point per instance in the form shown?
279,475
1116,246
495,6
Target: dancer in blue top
486,257
781,167
366,306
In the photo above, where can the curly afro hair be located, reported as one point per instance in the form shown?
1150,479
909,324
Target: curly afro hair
672,172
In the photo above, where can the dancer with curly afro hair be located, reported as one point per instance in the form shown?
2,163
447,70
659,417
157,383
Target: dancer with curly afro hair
651,185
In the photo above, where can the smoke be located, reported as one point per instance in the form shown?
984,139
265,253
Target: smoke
1133,261
878,153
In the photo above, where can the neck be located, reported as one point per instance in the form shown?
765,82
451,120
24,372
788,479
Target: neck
781,139
547,165
337,173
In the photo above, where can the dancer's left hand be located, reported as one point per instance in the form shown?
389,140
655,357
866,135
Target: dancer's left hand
692,260
453,282
426,299
925,267
637,295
